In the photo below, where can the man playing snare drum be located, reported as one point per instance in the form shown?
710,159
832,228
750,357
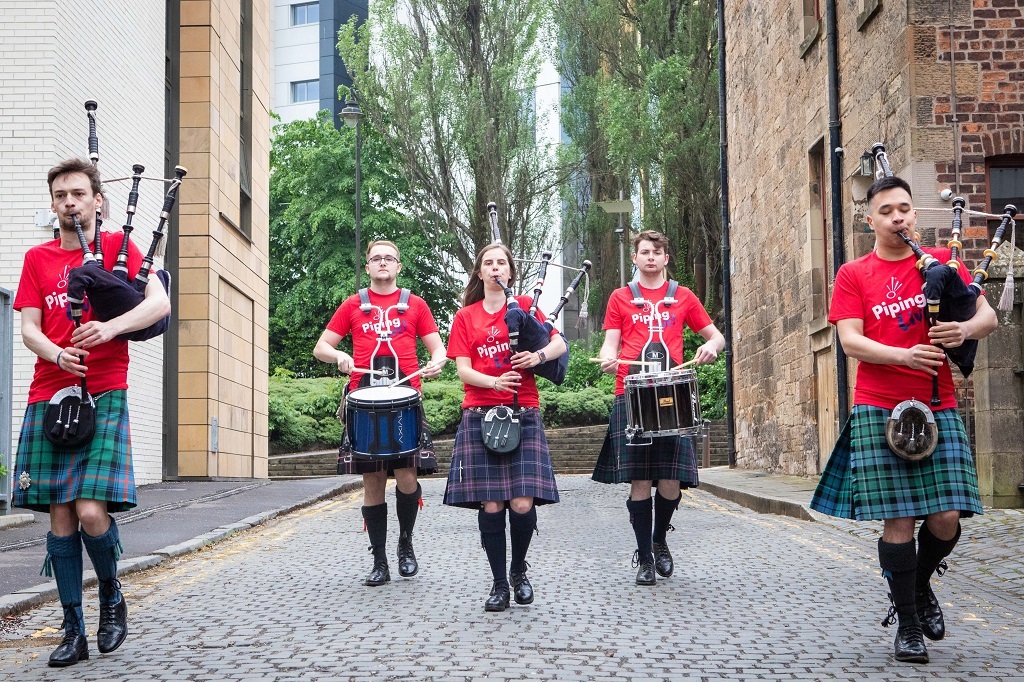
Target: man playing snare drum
361,316
634,335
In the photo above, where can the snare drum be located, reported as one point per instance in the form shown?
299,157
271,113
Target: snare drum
662,404
383,422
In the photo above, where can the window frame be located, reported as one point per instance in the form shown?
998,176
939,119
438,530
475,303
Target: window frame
293,86
1002,161
303,7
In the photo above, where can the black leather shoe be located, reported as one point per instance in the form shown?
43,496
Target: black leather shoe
407,566
499,598
522,590
645,572
909,645
380,573
113,626
662,560
930,614
74,647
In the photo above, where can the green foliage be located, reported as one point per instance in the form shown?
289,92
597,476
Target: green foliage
583,407
3,468
710,379
442,403
302,413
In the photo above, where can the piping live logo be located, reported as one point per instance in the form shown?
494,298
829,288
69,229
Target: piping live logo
59,298
906,311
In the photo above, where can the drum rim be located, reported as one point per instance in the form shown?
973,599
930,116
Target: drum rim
651,378
360,401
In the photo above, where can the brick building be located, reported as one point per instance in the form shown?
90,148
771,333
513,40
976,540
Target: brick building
176,83
896,74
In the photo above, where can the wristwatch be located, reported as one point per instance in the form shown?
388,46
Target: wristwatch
543,356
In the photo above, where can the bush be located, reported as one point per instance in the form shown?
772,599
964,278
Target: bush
302,412
584,407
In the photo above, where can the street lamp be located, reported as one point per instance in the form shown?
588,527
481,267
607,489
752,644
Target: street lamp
623,207
352,113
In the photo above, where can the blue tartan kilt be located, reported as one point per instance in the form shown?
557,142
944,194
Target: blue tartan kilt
99,470
865,480
477,475
668,458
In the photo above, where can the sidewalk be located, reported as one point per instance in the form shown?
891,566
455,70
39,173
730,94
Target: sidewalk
172,518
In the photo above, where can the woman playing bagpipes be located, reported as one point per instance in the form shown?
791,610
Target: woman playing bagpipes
879,311
502,405
79,485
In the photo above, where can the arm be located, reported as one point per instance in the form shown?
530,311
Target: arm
509,381
326,350
923,356
610,351
953,334
709,351
438,358
154,307
70,360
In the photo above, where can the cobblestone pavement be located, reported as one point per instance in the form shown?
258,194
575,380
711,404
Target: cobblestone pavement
754,596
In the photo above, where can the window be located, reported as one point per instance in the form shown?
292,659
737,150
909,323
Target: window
306,91
811,24
306,13
868,9
818,231
1006,186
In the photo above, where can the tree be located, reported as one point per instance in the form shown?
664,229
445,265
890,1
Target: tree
641,111
312,234
450,86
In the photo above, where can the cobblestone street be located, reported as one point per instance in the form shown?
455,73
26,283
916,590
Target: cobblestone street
754,596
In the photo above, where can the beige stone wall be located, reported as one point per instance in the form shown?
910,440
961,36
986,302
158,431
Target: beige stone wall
224,290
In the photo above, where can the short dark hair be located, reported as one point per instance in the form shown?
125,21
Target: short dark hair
659,240
890,182
69,166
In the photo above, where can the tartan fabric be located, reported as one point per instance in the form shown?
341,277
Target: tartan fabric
424,461
99,470
478,476
669,458
864,480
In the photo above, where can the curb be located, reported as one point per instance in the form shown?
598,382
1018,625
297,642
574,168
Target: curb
30,597
15,520
763,505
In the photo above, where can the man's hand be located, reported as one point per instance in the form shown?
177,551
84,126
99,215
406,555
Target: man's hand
70,360
345,363
705,354
432,369
947,334
924,357
93,334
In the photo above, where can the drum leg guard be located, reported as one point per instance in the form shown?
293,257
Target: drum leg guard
407,505
521,529
642,520
376,518
492,537
64,558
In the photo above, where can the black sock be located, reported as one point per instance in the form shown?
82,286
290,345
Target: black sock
899,567
492,537
376,518
663,510
642,519
931,551
408,506
521,528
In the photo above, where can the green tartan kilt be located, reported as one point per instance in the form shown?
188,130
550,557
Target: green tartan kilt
99,470
865,480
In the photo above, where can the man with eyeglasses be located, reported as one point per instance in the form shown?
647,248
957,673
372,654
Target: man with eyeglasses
363,315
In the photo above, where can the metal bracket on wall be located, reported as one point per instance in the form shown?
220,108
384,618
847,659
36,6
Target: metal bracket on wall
214,435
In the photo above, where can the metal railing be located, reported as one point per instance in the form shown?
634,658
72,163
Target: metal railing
6,391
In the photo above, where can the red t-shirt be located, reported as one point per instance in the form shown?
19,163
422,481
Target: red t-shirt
634,323
417,321
44,285
483,338
887,296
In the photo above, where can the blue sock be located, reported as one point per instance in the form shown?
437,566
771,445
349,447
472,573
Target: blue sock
104,551
64,559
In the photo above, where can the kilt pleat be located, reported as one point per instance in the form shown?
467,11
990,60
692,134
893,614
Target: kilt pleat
99,470
865,480
669,458
477,475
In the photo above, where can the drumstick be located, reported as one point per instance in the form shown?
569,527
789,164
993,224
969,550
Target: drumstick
625,362
422,369
367,371
685,364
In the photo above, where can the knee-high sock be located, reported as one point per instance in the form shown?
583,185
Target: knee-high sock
376,518
930,551
492,537
104,551
899,566
521,528
64,557
642,519
663,510
408,506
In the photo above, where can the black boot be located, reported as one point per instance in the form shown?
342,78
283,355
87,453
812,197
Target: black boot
664,508
522,590
113,626
74,647
931,554
642,519
499,599
645,569
376,518
407,505
899,566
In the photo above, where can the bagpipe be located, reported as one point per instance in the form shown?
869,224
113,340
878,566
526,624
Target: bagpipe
911,430
69,420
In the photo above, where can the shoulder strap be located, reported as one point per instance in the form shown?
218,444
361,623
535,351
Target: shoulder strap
364,301
670,295
638,300
403,301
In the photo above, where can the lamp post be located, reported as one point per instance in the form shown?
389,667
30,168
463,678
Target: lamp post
623,207
352,114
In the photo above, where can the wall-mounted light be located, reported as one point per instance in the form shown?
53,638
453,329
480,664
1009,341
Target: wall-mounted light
867,165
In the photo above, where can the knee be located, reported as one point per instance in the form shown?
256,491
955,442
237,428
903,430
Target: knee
95,520
522,505
943,525
492,507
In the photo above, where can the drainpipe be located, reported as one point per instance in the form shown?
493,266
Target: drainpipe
835,142
723,147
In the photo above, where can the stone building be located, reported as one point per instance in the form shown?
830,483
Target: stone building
896,72
177,83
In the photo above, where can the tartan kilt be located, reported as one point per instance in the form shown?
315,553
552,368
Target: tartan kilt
477,475
865,480
423,459
99,470
668,458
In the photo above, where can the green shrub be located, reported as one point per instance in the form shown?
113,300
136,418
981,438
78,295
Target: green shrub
442,403
561,407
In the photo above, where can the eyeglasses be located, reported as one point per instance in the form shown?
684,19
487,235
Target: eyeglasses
387,259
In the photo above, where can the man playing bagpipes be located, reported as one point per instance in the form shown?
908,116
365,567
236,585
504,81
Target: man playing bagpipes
362,315
879,311
668,463
82,484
